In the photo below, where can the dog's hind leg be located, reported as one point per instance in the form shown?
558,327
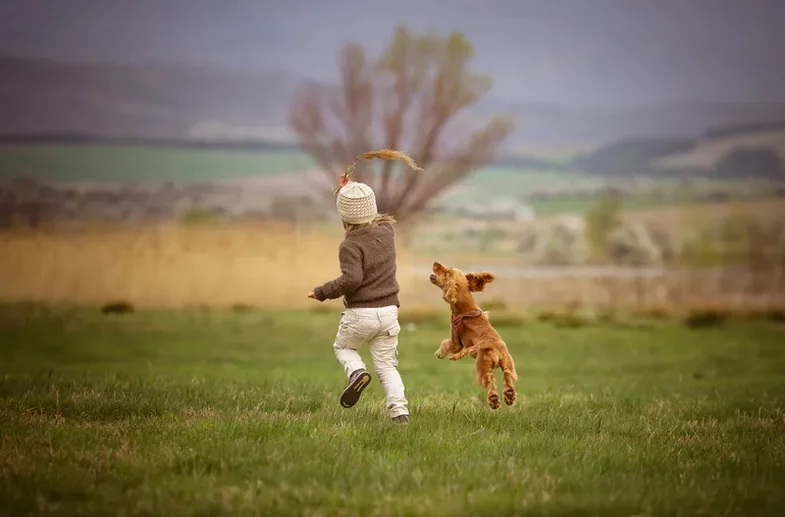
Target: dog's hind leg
486,380
509,376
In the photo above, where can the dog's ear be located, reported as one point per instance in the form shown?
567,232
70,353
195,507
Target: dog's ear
477,281
451,294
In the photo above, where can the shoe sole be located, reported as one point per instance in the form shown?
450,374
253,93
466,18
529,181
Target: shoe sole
352,393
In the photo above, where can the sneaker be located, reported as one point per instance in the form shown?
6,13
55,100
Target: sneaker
357,383
401,419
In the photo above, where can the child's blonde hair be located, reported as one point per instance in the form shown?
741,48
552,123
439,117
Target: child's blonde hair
380,218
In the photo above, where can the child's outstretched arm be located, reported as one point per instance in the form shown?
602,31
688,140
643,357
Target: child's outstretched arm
351,277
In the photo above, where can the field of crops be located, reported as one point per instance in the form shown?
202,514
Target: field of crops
143,164
155,165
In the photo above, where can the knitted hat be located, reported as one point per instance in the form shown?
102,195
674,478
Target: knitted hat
356,203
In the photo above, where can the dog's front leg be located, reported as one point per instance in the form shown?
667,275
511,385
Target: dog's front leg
466,351
449,346
446,348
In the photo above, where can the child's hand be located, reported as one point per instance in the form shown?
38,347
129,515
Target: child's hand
312,295
343,180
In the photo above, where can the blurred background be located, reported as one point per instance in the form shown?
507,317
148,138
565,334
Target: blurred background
594,155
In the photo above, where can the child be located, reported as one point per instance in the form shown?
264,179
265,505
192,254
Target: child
370,290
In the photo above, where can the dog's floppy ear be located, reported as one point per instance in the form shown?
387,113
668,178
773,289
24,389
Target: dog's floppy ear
451,294
477,281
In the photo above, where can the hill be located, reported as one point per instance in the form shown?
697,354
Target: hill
749,151
707,153
177,101
150,101
630,155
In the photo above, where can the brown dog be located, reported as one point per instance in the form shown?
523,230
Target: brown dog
472,334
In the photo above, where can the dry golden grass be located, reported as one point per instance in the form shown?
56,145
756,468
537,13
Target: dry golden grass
169,265
263,265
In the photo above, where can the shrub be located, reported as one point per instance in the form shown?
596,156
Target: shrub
606,315
423,317
571,320
242,307
631,244
117,307
601,219
559,242
655,313
775,315
495,304
705,318
506,319
568,318
198,215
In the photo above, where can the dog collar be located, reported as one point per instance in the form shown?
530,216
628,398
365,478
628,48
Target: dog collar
457,320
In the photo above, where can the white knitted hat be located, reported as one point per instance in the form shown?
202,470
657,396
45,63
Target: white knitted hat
356,203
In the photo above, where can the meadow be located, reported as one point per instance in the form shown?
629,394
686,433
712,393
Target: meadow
218,412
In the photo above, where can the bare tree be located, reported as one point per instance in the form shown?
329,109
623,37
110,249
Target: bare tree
411,98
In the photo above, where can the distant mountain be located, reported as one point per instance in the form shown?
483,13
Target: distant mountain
154,101
179,102
750,151
558,125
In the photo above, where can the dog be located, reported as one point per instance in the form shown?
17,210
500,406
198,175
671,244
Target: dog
471,333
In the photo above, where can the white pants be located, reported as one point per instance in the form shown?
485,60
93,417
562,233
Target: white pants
379,328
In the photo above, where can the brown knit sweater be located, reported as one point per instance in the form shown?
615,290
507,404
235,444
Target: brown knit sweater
367,257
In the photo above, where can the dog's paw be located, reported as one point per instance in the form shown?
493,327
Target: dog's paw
493,401
455,357
509,397
439,354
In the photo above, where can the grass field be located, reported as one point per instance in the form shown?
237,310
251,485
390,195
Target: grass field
221,413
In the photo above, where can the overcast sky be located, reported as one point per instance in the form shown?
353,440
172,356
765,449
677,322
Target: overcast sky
575,52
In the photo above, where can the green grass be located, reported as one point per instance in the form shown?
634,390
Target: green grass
515,183
121,163
219,413
503,179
